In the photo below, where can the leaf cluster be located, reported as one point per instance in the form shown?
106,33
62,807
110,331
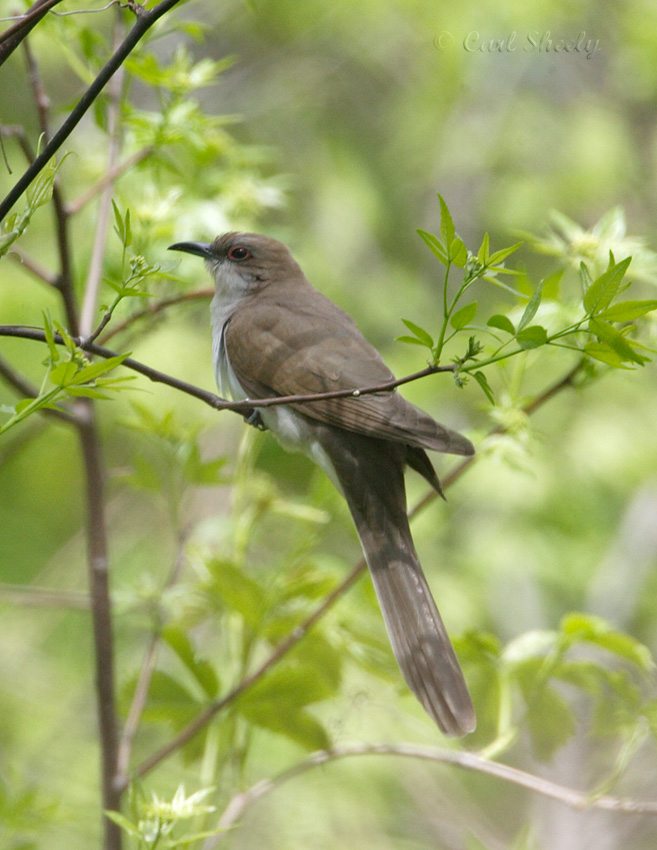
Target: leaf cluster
597,326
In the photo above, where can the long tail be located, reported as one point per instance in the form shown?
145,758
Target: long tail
370,472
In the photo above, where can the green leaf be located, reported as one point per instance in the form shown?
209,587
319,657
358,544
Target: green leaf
464,316
63,373
498,256
532,337
615,339
89,373
602,291
124,823
626,311
447,230
458,253
551,722
585,276
532,307
588,627
480,378
482,254
169,701
435,246
238,591
551,284
502,322
119,224
49,331
201,669
605,354
410,339
424,337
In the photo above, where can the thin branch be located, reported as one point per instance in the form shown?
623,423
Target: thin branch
44,597
145,20
570,797
109,178
35,268
152,308
12,37
213,399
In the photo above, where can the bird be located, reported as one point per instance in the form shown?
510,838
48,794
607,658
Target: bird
274,334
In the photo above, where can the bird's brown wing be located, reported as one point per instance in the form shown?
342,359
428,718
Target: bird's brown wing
283,344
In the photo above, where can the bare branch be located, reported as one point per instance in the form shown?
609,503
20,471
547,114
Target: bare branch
154,307
44,597
109,178
35,268
468,761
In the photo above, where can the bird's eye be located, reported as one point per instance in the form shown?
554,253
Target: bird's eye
238,253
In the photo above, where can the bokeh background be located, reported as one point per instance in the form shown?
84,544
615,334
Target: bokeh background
350,117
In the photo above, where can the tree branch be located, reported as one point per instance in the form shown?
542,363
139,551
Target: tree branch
12,37
154,307
145,20
213,399
467,761
97,561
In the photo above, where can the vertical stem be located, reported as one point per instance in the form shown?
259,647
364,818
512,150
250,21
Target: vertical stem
101,612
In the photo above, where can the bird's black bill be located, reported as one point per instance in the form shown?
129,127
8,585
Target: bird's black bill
201,249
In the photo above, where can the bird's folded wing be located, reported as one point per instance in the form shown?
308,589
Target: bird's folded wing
276,347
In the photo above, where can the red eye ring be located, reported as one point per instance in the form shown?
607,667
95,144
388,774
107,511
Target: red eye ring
238,253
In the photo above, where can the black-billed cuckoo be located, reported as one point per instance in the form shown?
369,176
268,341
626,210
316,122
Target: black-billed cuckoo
275,335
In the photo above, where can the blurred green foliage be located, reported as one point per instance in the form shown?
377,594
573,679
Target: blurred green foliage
353,117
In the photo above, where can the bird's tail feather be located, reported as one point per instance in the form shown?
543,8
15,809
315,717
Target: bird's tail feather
418,636
371,475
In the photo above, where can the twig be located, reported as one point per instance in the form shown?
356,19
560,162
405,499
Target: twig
468,761
12,37
35,268
145,20
154,307
109,178
45,597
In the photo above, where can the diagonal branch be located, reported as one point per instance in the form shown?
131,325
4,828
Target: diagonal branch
145,20
12,37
